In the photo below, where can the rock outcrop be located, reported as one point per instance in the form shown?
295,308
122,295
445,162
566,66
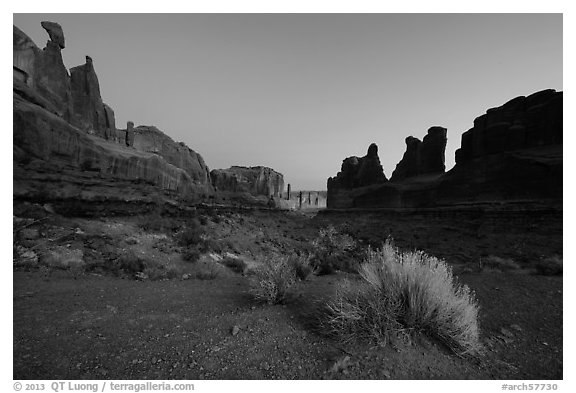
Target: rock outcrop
521,123
55,33
66,144
513,154
422,157
151,140
43,71
360,171
258,180
88,108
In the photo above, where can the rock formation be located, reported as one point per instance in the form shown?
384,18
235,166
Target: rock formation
513,154
521,123
88,108
54,32
359,172
151,140
422,157
130,134
43,70
256,180
66,144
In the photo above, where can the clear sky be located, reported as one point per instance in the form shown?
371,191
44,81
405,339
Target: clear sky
301,92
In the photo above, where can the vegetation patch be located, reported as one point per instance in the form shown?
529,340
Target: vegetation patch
550,266
333,251
273,279
405,292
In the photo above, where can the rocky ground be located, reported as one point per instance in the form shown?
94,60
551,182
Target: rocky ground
77,318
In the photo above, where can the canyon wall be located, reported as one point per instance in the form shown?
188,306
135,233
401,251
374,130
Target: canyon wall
66,144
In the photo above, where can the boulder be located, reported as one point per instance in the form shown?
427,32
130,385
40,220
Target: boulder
257,180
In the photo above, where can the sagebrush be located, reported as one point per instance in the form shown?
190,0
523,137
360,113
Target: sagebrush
406,292
332,251
273,279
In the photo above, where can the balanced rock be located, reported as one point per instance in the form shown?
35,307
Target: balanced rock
42,70
55,32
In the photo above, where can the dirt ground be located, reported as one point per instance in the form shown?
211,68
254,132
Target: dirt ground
89,324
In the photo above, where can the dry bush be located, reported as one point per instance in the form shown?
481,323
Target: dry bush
302,265
192,235
235,264
273,279
550,266
406,292
494,262
208,271
332,251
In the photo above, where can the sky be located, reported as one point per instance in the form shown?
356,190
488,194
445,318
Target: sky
301,92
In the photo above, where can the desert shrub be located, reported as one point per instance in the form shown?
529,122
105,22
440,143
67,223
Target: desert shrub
550,266
192,234
332,251
203,220
208,271
494,262
405,293
191,254
128,263
301,265
210,245
273,279
155,271
235,264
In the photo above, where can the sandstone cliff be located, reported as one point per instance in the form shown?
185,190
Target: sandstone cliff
256,180
513,154
66,144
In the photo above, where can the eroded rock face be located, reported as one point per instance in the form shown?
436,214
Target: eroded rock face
43,70
422,157
55,32
70,163
89,113
521,123
256,180
513,155
359,171
65,139
151,140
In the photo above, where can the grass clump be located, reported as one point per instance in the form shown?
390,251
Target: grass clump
333,251
406,292
502,264
273,279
